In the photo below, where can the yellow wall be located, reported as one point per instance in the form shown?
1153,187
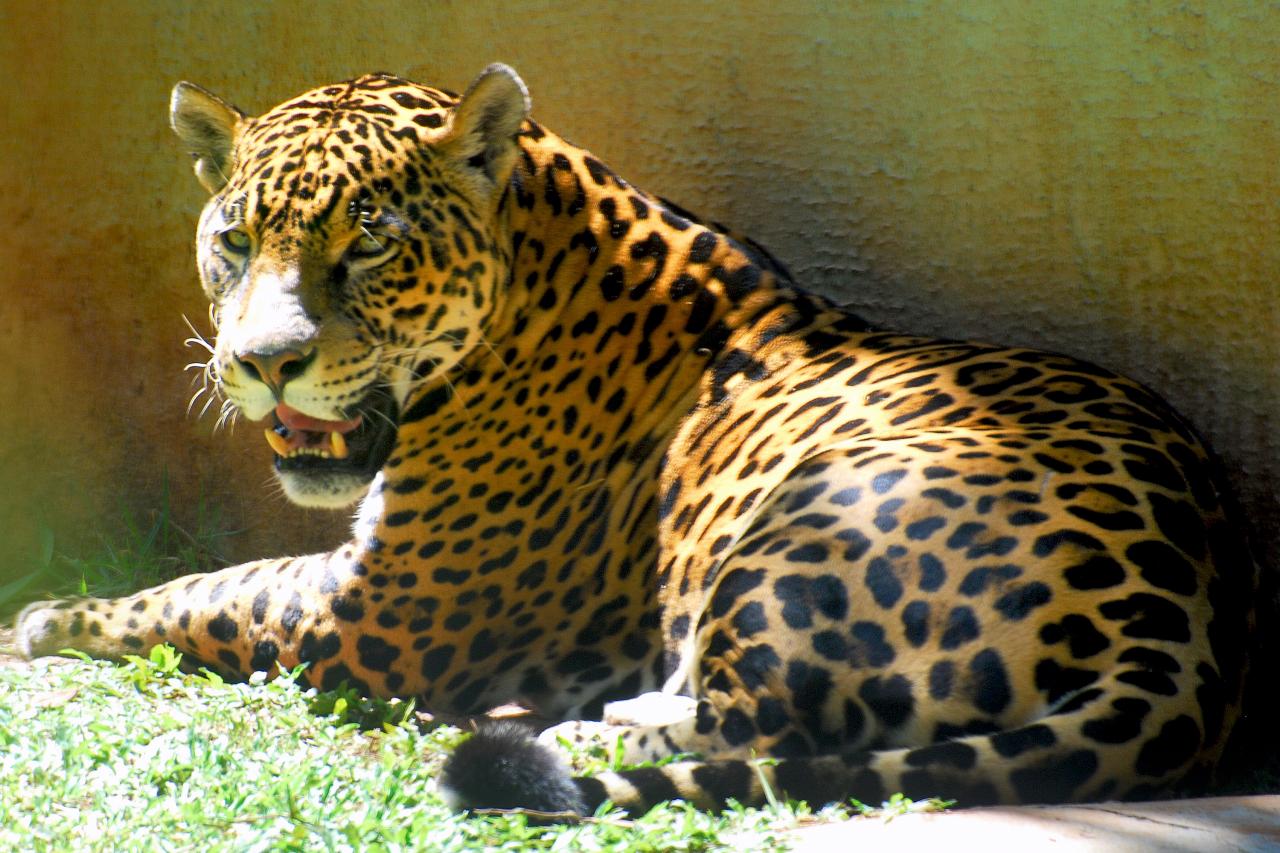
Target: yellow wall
1094,177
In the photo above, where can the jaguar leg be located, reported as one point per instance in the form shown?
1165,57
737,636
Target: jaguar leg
240,620
1080,752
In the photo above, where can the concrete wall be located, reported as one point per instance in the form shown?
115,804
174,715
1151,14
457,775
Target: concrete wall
1099,178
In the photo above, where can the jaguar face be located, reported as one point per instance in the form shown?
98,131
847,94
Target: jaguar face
351,251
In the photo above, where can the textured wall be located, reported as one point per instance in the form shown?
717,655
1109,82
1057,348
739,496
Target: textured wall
1095,177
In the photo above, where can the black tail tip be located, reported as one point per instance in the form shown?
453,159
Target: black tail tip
502,766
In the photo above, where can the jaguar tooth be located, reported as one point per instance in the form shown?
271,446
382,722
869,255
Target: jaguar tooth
277,441
339,444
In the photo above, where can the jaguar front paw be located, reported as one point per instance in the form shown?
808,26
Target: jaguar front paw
635,730
45,628
651,709
581,734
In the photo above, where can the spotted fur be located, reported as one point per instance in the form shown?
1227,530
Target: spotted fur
608,447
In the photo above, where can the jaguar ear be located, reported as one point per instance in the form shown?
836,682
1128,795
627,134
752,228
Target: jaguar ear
482,130
207,125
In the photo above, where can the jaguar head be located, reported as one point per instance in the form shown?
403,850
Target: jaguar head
353,252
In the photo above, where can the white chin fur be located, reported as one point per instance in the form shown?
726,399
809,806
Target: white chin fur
366,520
323,491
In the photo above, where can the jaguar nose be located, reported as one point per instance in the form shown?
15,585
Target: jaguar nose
275,369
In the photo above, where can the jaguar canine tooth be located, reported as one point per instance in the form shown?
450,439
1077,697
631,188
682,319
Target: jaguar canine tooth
339,445
277,441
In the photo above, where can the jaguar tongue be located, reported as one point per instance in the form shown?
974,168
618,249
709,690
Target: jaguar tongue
299,432
295,420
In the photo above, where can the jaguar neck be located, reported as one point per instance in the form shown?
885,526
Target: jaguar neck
607,273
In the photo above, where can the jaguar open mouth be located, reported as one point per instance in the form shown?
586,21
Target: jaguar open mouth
358,445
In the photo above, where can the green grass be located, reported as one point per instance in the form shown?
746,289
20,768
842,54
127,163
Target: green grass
143,757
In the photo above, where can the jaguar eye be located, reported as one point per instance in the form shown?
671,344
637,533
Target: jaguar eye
369,245
236,241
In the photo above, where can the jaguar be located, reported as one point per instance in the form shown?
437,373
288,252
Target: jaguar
602,449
